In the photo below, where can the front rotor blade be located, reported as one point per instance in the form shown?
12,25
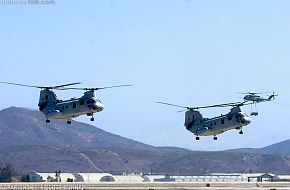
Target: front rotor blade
124,85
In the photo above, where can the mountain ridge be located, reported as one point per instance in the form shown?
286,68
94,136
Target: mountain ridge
28,127
32,145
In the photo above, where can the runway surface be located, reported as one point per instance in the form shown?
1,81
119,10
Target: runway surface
147,186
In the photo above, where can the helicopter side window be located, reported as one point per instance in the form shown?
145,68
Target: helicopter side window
74,106
82,102
66,107
222,121
230,117
237,116
46,97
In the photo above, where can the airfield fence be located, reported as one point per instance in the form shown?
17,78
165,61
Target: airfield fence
144,185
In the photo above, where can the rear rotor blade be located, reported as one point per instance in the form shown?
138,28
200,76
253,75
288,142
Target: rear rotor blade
204,107
173,105
17,84
42,87
219,105
181,111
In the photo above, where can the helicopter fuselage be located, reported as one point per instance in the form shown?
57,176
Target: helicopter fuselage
54,108
258,99
200,126
254,98
72,108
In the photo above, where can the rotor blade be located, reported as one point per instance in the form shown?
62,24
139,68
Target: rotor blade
181,111
124,85
172,105
203,107
101,88
41,87
252,93
242,92
220,105
266,92
60,86
16,84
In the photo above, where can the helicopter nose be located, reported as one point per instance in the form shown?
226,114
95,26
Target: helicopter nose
100,106
246,120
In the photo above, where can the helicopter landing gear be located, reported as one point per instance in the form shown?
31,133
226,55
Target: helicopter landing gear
241,132
68,122
47,121
215,138
92,118
197,138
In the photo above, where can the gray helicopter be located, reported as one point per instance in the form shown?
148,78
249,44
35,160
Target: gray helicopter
54,108
255,98
200,126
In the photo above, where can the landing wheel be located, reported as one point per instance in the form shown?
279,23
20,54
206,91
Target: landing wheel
47,121
241,132
197,138
92,119
68,122
215,138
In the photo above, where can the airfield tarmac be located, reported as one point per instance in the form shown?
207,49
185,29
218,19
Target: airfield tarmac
146,186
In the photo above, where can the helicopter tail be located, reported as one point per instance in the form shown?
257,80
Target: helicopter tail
192,117
47,97
272,96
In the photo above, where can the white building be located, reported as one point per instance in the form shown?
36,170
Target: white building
94,177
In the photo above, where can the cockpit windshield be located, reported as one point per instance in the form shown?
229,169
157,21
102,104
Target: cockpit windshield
91,101
244,114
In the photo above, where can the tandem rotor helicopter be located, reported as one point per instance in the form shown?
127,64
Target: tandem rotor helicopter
200,126
235,119
54,108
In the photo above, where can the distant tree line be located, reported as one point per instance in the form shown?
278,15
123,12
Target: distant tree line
7,172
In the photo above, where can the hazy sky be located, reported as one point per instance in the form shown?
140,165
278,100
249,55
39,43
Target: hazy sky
185,52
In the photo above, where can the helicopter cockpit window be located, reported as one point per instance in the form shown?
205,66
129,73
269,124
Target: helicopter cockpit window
91,101
245,115
230,117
